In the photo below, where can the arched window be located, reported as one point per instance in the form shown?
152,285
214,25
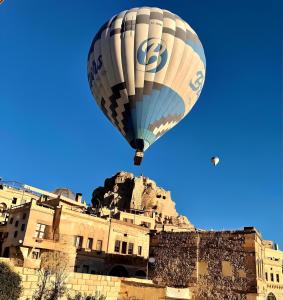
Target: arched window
271,296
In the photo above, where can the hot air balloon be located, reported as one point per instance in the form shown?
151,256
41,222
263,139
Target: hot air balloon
146,69
215,160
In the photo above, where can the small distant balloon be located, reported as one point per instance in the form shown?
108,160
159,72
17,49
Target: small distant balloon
215,160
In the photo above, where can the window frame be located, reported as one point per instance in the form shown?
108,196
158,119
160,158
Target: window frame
99,244
124,247
117,246
40,231
78,241
89,243
131,248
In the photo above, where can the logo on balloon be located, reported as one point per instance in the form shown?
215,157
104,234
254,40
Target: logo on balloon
153,54
197,84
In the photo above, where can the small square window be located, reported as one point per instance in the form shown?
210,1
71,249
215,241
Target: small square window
14,201
40,230
35,255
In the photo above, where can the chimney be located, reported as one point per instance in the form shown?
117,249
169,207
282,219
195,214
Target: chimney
79,197
276,247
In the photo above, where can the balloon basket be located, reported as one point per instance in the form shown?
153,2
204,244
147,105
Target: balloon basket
138,157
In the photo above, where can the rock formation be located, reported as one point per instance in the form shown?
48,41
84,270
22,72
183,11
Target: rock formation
138,193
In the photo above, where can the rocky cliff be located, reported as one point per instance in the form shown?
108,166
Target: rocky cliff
138,193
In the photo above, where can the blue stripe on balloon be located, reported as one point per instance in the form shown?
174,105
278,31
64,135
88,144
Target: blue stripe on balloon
161,104
197,47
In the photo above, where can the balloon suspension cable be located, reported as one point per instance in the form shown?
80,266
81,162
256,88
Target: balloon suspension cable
138,157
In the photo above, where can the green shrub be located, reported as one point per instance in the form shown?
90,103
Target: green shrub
10,283
80,296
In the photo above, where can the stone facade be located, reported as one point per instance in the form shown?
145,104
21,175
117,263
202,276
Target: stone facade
114,288
132,220
213,265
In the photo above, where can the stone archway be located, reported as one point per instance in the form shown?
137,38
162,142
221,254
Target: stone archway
119,271
271,296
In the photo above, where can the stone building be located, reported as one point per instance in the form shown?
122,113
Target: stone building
105,242
218,265
133,229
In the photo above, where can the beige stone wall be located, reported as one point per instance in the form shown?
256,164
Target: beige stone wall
7,194
114,288
139,291
76,282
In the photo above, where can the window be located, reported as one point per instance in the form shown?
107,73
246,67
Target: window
139,250
124,247
24,216
277,277
23,227
35,254
271,277
99,245
6,234
78,241
89,243
145,224
117,246
11,220
14,201
266,276
17,223
131,248
39,231
15,234
128,220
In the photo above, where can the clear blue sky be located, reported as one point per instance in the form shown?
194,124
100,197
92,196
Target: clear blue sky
53,134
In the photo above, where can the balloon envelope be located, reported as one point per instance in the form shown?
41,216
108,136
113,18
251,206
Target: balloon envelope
215,160
146,69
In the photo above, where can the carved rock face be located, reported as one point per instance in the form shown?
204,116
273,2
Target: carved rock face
125,191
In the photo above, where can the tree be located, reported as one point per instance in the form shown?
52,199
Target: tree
53,274
10,283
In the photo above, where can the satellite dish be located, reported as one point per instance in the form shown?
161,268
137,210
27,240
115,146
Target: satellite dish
151,260
215,160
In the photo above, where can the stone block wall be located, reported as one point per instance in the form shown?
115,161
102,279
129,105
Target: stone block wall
75,283
215,265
